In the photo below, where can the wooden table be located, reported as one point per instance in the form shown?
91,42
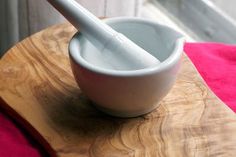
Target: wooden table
38,89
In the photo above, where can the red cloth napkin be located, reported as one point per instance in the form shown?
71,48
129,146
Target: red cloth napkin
215,62
217,65
13,142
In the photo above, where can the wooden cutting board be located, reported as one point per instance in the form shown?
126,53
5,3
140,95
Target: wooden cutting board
38,89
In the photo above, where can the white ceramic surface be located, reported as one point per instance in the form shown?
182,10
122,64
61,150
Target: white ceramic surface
111,43
128,93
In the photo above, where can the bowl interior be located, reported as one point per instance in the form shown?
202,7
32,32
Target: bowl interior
156,39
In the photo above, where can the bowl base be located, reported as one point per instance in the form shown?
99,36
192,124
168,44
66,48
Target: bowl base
124,114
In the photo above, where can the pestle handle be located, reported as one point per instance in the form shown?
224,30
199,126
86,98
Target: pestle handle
117,50
88,24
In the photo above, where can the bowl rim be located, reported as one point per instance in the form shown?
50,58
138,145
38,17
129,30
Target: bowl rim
166,64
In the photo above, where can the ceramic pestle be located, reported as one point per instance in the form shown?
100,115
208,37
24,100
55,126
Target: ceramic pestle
119,51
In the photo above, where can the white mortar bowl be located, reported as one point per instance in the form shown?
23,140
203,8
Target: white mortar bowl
129,93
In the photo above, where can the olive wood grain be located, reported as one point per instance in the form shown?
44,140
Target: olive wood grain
38,89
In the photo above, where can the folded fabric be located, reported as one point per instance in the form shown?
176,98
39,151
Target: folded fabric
217,65
13,142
